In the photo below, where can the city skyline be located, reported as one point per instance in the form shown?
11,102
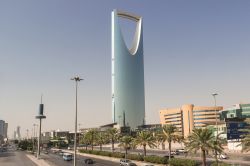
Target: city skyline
191,50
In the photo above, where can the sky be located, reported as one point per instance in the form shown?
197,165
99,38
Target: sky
191,50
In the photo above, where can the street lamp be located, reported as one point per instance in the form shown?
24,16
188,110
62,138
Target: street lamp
216,123
76,79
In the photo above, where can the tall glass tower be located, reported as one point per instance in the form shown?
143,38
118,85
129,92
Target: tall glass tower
128,99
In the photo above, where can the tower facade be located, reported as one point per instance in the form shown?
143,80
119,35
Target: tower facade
128,99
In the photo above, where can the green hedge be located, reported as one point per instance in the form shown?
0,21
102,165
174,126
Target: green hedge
182,162
220,164
135,157
156,159
117,155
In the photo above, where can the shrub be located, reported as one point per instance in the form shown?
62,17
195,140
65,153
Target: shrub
156,159
118,155
220,164
182,162
135,157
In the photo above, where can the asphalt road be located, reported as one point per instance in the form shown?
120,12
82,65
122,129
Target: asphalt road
15,158
57,160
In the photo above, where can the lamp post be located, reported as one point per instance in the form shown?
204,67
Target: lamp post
216,123
76,79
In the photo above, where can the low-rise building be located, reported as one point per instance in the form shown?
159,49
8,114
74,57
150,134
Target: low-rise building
236,111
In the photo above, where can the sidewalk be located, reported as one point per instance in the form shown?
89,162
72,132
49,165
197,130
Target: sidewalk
39,162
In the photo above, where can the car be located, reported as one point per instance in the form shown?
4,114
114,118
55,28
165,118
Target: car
221,156
174,153
67,156
88,161
181,150
167,156
147,164
126,162
61,153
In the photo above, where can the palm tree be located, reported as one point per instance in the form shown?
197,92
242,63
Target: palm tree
113,136
200,139
160,139
171,134
86,139
91,135
101,138
126,143
217,148
245,142
145,138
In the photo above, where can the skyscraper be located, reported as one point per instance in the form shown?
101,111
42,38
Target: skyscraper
18,133
128,101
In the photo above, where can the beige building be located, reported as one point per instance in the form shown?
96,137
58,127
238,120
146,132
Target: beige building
187,117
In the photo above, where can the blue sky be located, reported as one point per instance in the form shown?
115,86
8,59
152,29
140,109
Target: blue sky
191,49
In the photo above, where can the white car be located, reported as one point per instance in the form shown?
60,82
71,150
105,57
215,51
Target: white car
67,156
125,162
223,156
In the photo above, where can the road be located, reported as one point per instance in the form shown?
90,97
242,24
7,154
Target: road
57,160
15,158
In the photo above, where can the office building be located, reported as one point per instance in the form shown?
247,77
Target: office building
128,101
237,111
188,117
18,133
3,130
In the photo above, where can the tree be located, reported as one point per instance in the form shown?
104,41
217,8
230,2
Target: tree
217,148
101,138
200,139
126,143
145,138
245,141
160,139
113,136
171,134
91,136
86,140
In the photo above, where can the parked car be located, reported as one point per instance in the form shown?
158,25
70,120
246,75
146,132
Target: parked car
125,162
147,164
174,152
181,150
61,153
67,156
221,156
167,156
88,161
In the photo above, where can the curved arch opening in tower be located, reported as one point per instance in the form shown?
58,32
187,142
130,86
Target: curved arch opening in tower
128,29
